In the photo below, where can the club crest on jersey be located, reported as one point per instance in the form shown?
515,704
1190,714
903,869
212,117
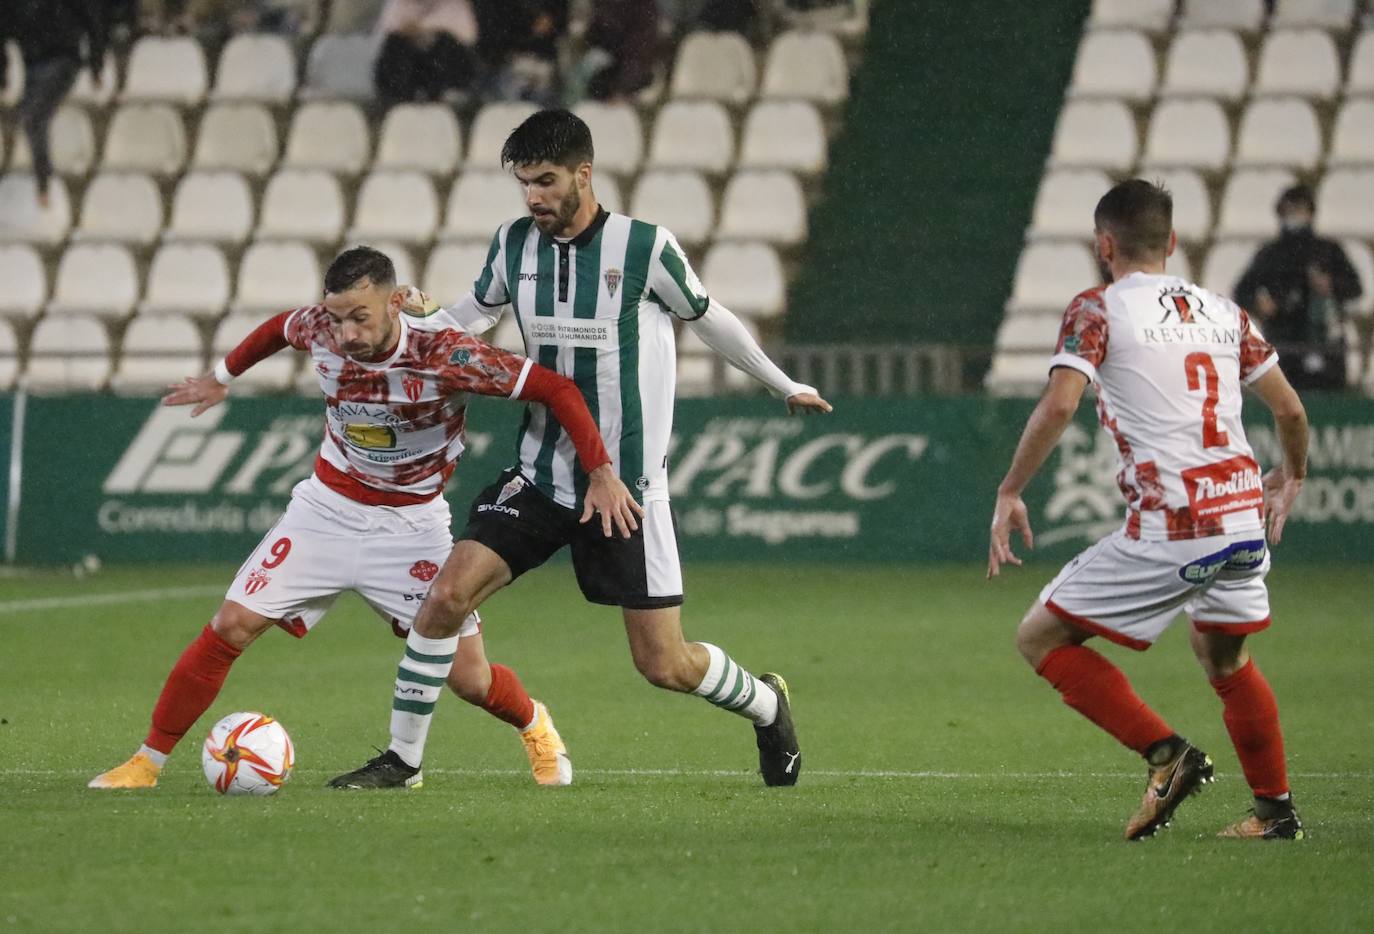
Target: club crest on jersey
513,485
613,277
1182,304
424,570
365,435
256,580
414,387
461,356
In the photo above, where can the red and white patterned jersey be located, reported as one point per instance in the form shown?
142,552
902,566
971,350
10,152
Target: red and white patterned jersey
1168,359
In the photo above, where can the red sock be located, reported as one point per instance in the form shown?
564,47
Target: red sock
191,688
1099,691
1252,719
507,699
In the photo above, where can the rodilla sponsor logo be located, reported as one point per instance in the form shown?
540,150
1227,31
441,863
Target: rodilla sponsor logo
1227,486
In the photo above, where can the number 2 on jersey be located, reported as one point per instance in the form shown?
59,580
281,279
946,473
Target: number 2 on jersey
1201,363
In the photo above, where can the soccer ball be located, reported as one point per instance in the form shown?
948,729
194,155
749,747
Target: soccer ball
247,754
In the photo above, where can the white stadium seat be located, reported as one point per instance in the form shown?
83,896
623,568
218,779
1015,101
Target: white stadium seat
242,137
256,67
766,206
1247,203
87,93
1065,203
745,277
1279,131
71,143
783,135
14,77
1095,134
1149,15
1226,261
1191,133
211,206
1207,63
122,206
452,269
808,65
1361,77
145,138
1343,204
1050,274
715,65
302,204
1352,141
424,137
479,202
1326,14
330,135
680,201
1031,332
1363,260
276,372
1114,63
341,66
97,279
1243,15
491,126
1300,61
9,355
187,278
1179,265
21,217
166,68
692,135
158,350
396,206
26,282
1192,203
276,275
68,352
618,135
608,193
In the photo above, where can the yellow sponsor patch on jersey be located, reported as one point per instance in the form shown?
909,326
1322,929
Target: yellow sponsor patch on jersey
364,435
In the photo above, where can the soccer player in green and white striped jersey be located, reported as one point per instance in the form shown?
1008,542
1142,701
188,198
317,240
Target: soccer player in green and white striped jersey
595,295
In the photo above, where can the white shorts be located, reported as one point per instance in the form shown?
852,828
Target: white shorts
1129,591
326,543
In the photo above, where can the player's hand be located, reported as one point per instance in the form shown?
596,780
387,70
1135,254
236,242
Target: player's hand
805,403
1008,515
204,392
1280,492
609,496
416,302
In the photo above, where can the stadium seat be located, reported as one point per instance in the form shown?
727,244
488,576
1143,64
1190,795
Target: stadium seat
68,353
396,205
680,201
341,66
1191,133
1065,203
1363,260
746,277
1243,15
274,373
71,143
715,65
87,93
1050,274
766,206
1095,134
423,137
401,258
276,275
145,138
166,68
452,269
14,76
1192,203
618,135
1361,77
480,202
1279,131
9,355
506,335
1114,63
242,137
701,372
187,278
1149,15
256,67
121,206
1179,265
692,135
158,350
1016,373
302,204
783,135
807,65
1207,63
21,218
1226,261
490,128
608,193
26,282
96,279
1247,203
330,135
1343,200
1031,332
1325,14
1352,141
1299,61
211,206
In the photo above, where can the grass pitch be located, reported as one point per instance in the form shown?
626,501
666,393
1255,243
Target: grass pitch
945,787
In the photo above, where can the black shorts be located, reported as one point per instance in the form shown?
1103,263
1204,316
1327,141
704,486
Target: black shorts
515,519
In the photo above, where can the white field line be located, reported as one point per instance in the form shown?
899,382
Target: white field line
104,599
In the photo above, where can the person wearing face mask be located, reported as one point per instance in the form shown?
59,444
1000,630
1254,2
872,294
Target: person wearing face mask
1297,288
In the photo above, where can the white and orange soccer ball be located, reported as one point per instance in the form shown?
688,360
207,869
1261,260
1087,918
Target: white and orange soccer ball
247,754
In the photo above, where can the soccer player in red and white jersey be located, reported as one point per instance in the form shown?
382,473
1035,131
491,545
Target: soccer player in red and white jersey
371,518
1168,360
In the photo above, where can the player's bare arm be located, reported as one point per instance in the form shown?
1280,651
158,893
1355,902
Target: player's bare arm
1283,483
1044,428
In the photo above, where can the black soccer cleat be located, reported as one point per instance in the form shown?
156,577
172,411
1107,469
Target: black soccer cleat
779,754
385,771
1168,786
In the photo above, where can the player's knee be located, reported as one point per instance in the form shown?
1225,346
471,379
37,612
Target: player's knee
237,625
449,603
667,670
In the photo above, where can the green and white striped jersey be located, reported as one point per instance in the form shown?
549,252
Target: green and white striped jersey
597,310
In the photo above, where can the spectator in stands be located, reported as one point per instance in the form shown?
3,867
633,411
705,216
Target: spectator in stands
55,38
519,42
1297,287
215,21
622,50
429,50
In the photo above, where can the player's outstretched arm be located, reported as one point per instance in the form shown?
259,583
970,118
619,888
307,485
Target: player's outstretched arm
468,314
1046,424
724,333
209,390
204,392
1283,484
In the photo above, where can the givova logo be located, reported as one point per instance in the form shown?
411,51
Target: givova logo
173,453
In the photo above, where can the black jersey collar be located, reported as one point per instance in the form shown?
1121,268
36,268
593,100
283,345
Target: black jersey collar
586,236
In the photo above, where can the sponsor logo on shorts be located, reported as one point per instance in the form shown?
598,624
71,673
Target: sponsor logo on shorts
1227,486
256,580
498,507
424,570
642,483
414,387
1238,556
513,485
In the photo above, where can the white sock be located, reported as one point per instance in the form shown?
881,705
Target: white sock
419,681
159,758
728,686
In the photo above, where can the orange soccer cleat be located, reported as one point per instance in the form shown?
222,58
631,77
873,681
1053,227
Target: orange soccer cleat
1253,827
1169,784
548,755
138,772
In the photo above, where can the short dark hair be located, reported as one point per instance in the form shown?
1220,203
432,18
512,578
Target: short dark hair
1140,215
353,265
557,136
1299,195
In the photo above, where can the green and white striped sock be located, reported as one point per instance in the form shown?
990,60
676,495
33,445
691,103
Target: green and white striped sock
419,681
730,687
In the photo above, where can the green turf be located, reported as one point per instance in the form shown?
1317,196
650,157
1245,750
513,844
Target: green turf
894,671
